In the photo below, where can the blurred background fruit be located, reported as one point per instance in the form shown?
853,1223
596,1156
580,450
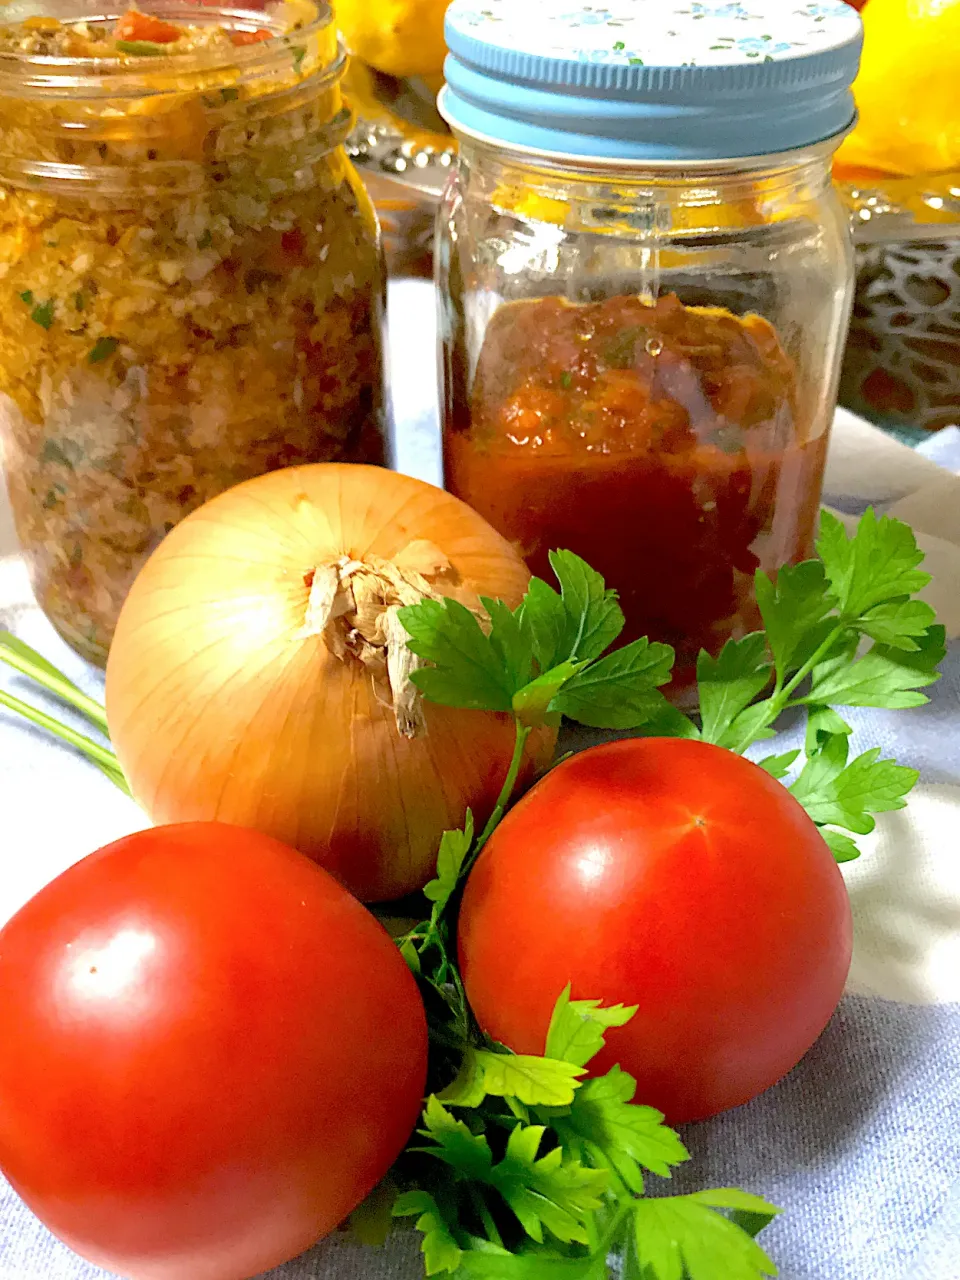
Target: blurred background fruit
398,37
908,90
902,367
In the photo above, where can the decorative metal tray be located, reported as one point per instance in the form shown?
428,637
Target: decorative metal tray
405,151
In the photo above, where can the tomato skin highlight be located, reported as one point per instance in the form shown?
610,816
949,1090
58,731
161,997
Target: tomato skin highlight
210,1054
676,876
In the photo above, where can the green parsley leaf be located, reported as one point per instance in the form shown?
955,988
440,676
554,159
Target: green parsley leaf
579,624
823,723
537,701
729,684
685,1236
619,691
408,949
467,668
486,1261
899,623
545,1192
510,643
843,848
838,794
27,297
795,613
667,721
878,564
752,725
545,624
102,349
43,313
440,1249
576,1027
885,677
742,1205
534,1082
605,1127
543,659
454,848
299,53
779,766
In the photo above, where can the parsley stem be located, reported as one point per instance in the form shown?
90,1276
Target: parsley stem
58,685
484,1214
779,700
102,757
523,732
809,665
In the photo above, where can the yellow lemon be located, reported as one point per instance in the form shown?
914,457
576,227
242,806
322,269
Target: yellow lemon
398,37
908,90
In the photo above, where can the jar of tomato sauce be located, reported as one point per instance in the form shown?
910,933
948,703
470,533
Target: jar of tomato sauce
646,279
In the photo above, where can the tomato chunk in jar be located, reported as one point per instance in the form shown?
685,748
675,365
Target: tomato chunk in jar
663,443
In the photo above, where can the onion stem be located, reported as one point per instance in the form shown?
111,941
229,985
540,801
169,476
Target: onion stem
101,756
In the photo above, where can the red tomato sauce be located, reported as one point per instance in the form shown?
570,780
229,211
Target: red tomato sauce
663,444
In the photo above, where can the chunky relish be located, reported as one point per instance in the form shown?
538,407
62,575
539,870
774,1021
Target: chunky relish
663,443
192,299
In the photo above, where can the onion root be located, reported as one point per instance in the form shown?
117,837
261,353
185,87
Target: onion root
354,606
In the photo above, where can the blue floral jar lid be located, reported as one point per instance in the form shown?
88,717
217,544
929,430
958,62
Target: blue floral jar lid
655,80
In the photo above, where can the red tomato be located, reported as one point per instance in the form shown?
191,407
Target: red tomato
675,876
210,1054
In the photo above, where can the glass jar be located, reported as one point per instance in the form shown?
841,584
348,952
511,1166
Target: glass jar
642,330
191,283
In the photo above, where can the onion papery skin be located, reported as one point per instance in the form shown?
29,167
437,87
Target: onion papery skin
222,708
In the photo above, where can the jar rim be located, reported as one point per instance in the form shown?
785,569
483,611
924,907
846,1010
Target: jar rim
46,75
624,166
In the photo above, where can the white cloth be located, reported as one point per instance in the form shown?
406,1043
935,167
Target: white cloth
861,1144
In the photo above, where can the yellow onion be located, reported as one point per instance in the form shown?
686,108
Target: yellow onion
258,675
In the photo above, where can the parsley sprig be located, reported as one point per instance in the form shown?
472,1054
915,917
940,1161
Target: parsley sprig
542,1172
840,631
522,1168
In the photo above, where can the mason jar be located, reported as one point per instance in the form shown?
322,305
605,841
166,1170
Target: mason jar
191,285
645,284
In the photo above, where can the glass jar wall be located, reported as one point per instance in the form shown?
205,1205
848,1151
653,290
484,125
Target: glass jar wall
645,280
191,288
641,366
